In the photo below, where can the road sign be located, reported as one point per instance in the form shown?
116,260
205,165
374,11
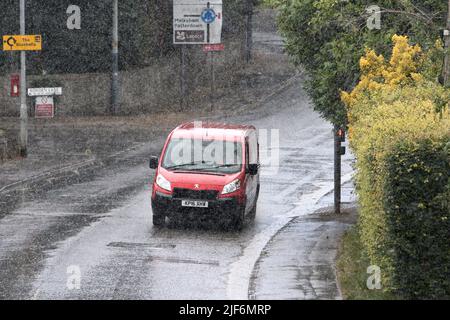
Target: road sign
213,47
22,43
208,15
35,92
44,107
197,21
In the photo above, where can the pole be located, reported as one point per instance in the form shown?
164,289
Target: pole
23,139
248,37
115,60
337,170
446,69
183,77
208,27
213,80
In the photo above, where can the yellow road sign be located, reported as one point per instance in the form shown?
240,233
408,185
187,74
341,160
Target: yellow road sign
22,43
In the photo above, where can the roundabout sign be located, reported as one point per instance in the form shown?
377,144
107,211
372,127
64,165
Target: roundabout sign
197,21
208,16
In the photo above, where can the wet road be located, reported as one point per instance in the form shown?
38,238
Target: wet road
99,233
94,239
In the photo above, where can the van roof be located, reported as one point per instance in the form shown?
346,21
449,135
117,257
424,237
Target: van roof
211,129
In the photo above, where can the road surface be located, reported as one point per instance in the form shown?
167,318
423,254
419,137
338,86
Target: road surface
101,230
95,239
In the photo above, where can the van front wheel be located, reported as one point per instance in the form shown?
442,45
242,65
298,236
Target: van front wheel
159,216
159,220
239,220
252,214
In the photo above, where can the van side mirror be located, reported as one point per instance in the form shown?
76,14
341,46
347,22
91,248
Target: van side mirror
253,169
154,161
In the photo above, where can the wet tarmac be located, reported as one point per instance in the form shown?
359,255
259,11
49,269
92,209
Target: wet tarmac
102,226
88,234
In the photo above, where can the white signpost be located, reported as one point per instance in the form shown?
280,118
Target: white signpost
44,104
197,21
36,92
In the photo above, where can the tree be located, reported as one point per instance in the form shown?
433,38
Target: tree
327,37
145,31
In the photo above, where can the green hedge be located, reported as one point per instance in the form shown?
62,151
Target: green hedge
399,130
416,203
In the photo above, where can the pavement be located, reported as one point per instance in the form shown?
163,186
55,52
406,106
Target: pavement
302,254
80,206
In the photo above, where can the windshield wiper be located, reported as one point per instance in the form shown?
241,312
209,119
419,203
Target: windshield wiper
181,166
178,166
226,166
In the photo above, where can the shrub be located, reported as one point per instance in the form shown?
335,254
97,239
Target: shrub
327,37
399,126
416,201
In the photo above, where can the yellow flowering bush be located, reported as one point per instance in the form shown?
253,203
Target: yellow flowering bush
379,76
399,126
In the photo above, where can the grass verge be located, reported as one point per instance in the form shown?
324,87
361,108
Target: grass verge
352,265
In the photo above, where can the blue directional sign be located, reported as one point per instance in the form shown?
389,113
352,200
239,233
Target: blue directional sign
208,15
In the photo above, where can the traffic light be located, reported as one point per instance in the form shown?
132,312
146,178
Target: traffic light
341,134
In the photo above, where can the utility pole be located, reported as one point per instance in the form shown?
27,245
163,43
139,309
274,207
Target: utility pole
115,60
213,81
183,85
446,69
339,151
23,139
248,36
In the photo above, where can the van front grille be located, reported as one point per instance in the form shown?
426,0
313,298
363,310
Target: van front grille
194,194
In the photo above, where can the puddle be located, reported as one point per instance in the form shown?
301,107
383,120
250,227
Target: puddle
184,260
132,245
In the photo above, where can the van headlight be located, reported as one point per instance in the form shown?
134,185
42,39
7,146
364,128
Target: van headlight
163,183
232,187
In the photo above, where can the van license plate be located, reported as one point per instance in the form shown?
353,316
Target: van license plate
194,204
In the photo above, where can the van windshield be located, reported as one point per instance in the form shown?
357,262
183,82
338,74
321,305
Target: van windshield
217,156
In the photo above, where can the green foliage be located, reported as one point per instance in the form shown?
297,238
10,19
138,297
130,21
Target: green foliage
327,37
400,133
351,265
416,202
145,34
399,126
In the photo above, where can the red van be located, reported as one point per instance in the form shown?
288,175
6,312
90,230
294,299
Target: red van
207,169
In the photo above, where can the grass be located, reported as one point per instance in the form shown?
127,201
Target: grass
352,266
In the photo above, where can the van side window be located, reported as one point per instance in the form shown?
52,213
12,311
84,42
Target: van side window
253,152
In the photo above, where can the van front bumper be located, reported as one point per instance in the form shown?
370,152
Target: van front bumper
169,206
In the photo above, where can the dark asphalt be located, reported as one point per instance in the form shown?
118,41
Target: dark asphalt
102,226
98,222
